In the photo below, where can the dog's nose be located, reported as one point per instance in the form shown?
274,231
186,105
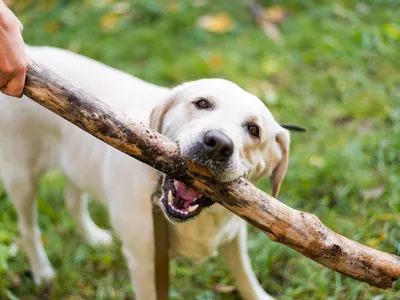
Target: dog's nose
217,145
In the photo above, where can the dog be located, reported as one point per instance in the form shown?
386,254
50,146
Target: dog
213,121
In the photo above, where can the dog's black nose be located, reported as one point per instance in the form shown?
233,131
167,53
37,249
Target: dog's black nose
217,145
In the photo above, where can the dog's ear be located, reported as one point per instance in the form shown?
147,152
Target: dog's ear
155,118
283,141
158,113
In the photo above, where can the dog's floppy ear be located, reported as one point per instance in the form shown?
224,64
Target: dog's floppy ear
283,141
158,113
155,118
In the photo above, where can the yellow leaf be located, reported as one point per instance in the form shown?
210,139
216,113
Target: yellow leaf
44,240
173,6
215,61
47,5
218,23
53,26
374,242
109,21
18,5
275,14
387,217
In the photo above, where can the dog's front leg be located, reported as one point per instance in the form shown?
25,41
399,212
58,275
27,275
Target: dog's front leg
141,271
136,233
236,256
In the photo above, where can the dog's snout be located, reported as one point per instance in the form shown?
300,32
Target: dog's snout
218,145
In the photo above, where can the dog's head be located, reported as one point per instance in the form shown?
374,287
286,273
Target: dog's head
230,131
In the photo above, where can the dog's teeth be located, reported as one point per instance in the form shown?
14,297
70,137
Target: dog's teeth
170,197
193,208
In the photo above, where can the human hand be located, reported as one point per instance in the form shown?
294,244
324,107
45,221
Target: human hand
13,62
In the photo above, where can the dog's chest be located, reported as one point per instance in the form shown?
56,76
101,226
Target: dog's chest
199,239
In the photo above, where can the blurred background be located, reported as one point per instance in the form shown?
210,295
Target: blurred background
331,66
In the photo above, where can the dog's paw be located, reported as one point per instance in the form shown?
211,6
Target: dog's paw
266,296
100,237
44,276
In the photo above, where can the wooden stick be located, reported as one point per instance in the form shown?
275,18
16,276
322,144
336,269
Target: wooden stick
299,230
270,29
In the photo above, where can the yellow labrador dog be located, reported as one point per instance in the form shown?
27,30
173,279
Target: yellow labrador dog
214,122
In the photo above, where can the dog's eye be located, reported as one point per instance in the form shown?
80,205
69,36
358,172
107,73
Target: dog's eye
254,130
202,103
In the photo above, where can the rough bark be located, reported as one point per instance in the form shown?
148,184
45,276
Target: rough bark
299,230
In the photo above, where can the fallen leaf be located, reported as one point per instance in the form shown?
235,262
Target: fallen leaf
173,6
42,238
376,241
18,5
47,5
215,61
275,14
218,23
387,217
15,280
53,26
373,193
109,21
224,289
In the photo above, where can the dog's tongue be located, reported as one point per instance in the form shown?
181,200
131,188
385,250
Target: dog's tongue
185,191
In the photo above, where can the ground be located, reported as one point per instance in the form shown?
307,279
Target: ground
337,74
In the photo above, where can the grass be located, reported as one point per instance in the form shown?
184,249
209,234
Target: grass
337,74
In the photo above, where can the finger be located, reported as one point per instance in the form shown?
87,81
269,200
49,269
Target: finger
15,86
3,80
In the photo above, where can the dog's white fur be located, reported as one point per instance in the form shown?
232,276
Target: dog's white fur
33,140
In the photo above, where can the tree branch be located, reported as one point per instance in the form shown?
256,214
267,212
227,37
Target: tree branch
299,230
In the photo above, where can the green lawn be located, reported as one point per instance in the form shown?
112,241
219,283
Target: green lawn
338,74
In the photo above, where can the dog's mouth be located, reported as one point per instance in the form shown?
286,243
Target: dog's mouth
182,203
